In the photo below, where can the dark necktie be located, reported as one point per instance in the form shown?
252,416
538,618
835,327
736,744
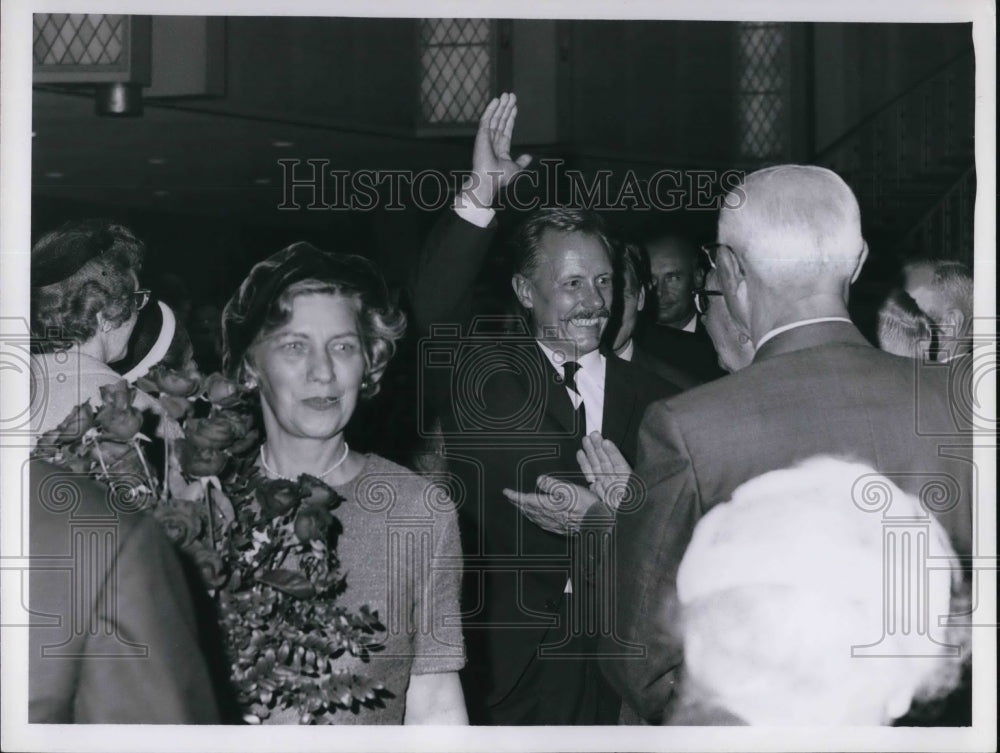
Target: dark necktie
569,373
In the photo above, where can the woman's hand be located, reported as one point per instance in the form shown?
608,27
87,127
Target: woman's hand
435,699
606,469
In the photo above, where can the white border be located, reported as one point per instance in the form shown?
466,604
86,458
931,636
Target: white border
15,155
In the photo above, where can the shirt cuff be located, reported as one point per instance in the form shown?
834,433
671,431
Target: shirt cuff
478,216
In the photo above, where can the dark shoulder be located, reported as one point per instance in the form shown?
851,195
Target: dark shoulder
646,384
58,494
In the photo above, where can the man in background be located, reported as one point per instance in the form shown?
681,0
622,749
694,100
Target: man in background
943,290
675,335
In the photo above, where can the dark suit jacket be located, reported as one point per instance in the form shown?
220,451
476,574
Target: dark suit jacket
506,418
820,389
691,352
113,636
670,374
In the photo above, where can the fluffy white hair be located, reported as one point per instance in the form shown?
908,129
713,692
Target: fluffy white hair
781,585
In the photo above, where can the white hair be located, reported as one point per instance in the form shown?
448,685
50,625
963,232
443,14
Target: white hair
781,586
793,222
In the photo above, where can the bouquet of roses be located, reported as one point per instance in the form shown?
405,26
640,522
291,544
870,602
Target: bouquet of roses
266,549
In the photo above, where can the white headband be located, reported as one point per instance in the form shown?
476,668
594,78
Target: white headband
159,349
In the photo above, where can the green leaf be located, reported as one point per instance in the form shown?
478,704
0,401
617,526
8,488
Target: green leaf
289,582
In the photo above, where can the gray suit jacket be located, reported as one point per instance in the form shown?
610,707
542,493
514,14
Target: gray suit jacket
820,389
113,637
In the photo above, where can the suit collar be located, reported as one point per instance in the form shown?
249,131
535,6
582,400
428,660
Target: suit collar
619,400
810,336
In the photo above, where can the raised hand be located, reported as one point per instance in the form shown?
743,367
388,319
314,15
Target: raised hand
558,506
605,468
492,166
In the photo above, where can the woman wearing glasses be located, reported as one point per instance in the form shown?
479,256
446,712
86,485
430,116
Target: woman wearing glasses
85,300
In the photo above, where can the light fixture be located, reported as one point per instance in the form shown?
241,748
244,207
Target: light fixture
157,160
262,181
282,144
119,100
54,174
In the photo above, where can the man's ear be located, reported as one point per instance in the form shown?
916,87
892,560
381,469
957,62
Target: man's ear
954,320
522,289
642,299
699,277
730,266
861,262
732,281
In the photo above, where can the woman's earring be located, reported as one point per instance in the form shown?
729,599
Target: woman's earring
250,383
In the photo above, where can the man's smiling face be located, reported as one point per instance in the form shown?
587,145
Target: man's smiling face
569,291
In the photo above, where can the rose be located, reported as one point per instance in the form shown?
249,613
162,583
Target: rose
213,570
118,458
312,523
173,382
75,425
278,497
315,492
181,521
220,391
176,407
199,461
213,433
117,418
77,463
248,442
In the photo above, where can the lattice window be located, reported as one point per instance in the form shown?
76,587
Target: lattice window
764,72
456,60
79,38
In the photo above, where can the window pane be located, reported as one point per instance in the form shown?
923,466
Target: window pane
456,69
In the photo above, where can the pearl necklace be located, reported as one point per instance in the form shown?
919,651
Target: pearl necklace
325,473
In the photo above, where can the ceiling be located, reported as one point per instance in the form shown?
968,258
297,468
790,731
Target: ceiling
182,158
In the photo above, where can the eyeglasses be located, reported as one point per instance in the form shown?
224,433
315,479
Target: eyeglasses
701,298
711,251
140,298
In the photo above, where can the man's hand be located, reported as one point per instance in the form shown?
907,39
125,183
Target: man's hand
606,469
558,506
492,167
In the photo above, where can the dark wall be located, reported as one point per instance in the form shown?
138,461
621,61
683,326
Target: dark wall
346,69
860,68
659,89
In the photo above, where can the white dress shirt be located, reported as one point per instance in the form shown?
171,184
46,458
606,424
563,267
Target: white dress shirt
771,334
589,381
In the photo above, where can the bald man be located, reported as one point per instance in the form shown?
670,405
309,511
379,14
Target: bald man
676,335
789,247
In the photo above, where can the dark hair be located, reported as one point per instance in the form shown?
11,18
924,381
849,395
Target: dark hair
156,322
526,239
635,265
80,270
263,303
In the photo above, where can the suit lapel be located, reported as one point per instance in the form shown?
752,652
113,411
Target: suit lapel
558,406
619,401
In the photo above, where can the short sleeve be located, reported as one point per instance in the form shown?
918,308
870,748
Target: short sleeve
439,645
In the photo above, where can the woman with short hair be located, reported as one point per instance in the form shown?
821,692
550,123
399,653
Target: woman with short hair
85,300
313,332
